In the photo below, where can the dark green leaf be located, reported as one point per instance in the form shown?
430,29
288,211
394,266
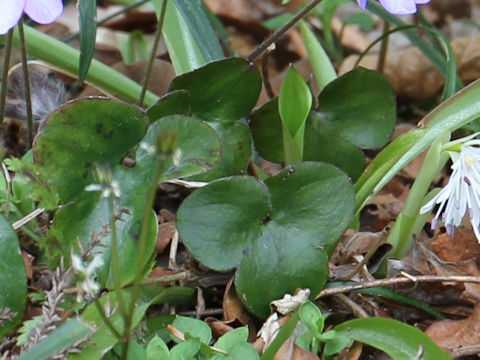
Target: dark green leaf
266,127
13,279
197,151
359,107
175,102
236,152
301,214
221,91
82,133
88,29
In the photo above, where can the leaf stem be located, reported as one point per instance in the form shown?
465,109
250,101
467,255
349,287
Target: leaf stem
6,66
115,261
142,244
279,33
26,81
106,320
158,35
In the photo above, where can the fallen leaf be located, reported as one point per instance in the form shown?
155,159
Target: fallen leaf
454,334
414,76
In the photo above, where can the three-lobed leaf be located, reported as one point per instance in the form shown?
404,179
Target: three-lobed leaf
265,228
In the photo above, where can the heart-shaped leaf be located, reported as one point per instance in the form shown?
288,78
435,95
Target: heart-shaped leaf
266,228
198,149
84,132
356,111
219,93
13,279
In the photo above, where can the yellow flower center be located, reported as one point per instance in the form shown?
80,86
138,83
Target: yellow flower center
469,160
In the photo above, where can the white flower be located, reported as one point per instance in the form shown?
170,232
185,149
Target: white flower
462,193
87,288
106,189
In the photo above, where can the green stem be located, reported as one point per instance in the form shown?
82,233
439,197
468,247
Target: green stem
66,58
26,82
401,236
115,260
279,33
384,48
158,35
106,320
142,245
6,67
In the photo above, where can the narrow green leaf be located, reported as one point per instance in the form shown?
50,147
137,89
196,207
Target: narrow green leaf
64,336
400,341
182,46
389,294
65,57
134,48
457,111
381,164
294,104
88,29
294,101
201,28
322,66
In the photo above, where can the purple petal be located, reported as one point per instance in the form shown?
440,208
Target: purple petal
44,11
422,1
362,3
400,7
10,14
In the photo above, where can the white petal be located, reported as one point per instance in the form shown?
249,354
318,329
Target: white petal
10,13
44,11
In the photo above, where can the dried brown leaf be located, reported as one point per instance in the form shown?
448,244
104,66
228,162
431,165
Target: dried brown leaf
453,334
413,75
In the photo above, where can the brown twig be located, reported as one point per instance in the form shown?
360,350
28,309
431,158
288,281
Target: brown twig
279,33
396,281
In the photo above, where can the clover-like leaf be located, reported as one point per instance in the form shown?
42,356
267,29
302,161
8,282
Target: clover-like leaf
356,111
198,149
220,93
266,228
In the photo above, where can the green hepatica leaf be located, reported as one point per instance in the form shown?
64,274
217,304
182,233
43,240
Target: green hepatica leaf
198,149
84,132
329,147
236,150
13,279
356,111
399,340
359,107
266,228
222,91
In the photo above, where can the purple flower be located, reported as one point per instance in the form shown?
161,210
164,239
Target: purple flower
40,11
397,7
